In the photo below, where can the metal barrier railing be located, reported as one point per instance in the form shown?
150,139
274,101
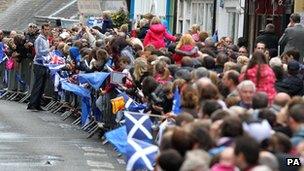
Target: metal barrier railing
19,83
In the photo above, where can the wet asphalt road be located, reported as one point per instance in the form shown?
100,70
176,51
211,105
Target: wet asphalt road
42,141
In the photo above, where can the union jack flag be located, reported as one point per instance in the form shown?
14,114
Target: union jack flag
56,58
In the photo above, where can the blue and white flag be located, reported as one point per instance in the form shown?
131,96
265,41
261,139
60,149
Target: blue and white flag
176,102
76,89
139,126
85,101
131,104
118,137
95,79
3,56
140,155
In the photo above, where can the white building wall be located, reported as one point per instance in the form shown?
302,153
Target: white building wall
156,7
191,12
230,18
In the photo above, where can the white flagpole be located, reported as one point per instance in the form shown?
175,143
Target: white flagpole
152,115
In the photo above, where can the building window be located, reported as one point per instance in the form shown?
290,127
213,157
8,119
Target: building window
191,12
233,25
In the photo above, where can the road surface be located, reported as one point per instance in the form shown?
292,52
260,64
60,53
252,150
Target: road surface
42,141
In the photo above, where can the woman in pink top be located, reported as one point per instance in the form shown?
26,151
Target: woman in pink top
259,72
156,34
186,44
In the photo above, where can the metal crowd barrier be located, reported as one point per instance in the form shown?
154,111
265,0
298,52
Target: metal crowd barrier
18,86
68,107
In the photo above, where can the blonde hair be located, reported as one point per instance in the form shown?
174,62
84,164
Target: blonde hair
242,60
124,28
140,67
195,28
161,68
66,49
155,20
229,66
106,14
213,77
61,46
186,39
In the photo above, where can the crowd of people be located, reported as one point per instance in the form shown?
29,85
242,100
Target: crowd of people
239,111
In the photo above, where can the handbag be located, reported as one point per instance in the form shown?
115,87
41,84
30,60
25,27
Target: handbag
10,64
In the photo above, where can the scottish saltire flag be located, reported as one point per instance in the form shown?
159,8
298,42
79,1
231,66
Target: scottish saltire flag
118,137
139,126
85,100
140,155
131,104
133,107
95,79
176,102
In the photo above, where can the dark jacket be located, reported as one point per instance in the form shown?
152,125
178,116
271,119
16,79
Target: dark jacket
292,85
270,39
107,24
143,31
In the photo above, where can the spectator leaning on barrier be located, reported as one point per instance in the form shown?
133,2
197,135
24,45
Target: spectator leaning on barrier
42,49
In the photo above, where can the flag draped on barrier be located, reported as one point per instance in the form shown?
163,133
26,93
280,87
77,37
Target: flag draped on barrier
76,89
95,79
118,137
141,155
139,126
85,101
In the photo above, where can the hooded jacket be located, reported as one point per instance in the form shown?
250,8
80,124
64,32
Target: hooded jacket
156,35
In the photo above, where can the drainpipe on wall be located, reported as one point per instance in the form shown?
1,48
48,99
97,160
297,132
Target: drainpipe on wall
168,14
132,6
214,16
246,21
175,16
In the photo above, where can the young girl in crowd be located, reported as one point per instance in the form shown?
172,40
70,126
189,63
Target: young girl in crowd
157,34
195,32
162,73
186,44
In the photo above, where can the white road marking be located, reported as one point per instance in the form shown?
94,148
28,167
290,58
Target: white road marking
100,164
92,149
96,154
